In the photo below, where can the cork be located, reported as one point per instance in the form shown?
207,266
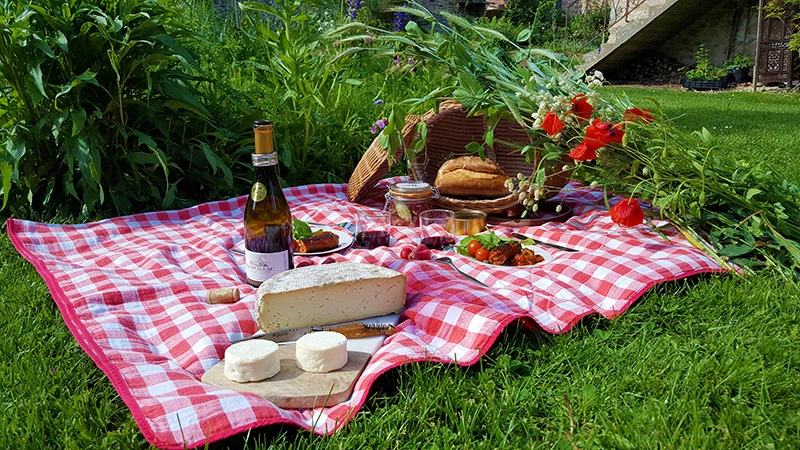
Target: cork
226,295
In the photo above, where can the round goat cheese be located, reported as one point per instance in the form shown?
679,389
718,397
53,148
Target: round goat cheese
321,351
253,360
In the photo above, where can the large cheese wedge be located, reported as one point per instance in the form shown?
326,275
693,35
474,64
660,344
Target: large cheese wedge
320,352
254,360
327,294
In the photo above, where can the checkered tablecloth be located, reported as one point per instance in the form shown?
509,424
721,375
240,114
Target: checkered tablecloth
132,291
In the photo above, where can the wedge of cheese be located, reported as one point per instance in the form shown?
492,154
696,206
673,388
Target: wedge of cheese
327,294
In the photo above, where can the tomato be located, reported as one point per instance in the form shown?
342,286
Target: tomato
482,254
473,247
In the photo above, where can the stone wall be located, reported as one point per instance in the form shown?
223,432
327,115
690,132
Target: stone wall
727,28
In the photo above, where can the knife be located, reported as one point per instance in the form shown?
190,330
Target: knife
555,246
352,330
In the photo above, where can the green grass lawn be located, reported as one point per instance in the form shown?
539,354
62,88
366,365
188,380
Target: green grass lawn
711,362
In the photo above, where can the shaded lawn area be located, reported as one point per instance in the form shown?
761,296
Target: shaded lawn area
710,362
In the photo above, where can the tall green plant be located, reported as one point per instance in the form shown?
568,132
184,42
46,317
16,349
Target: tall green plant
101,102
320,128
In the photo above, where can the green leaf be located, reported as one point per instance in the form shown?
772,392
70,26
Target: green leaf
182,98
383,139
300,229
488,137
524,35
216,163
752,192
78,119
42,46
169,197
61,41
35,72
413,28
186,58
735,250
475,147
6,170
147,140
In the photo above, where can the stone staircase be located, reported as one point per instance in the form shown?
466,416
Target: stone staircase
641,27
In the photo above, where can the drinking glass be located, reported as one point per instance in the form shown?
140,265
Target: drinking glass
373,229
438,228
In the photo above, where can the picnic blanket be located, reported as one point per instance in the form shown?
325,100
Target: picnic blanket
132,291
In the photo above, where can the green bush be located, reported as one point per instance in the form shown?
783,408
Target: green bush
738,61
704,70
101,103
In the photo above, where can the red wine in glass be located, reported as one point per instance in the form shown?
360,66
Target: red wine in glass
437,242
372,239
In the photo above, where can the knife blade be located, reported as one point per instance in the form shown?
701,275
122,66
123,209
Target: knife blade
546,244
351,330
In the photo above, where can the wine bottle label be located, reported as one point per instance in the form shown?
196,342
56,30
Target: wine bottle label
259,192
262,266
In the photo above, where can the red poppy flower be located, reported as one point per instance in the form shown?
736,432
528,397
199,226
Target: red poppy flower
552,124
581,107
583,152
627,212
600,134
634,114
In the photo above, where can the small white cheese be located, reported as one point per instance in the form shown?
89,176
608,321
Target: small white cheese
253,360
322,351
328,293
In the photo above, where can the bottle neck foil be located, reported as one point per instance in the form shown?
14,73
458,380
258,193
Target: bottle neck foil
264,159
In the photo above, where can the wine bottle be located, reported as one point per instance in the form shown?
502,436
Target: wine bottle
267,219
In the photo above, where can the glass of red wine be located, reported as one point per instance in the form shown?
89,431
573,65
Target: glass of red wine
373,229
438,227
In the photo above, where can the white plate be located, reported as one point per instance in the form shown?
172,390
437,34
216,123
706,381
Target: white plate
345,239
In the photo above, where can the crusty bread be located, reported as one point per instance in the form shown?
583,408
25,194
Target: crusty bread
471,177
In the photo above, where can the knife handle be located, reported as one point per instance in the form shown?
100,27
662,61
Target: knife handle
360,330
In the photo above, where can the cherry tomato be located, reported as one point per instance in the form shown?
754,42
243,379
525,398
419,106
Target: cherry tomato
473,247
482,254
405,252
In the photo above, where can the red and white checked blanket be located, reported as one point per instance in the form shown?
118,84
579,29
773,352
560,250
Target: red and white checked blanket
132,291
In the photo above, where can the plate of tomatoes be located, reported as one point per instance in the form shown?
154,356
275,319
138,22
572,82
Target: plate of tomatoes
490,248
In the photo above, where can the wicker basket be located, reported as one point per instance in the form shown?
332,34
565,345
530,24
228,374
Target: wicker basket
449,131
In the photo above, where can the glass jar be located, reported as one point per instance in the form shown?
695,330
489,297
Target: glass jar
405,200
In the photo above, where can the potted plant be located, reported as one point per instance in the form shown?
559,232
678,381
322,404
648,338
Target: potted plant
738,67
705,75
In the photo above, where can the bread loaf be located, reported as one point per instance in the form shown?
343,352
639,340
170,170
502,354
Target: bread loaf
471,176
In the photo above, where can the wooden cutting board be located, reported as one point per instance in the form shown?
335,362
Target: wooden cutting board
293,388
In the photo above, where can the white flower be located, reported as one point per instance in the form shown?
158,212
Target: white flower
565,167
599,75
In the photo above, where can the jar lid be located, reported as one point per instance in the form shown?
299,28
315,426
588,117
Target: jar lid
411,189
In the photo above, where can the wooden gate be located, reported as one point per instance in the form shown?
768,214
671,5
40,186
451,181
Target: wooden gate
776,63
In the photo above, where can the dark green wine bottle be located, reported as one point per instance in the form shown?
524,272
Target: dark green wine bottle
269,247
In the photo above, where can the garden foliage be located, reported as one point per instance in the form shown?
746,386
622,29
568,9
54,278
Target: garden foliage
101,109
